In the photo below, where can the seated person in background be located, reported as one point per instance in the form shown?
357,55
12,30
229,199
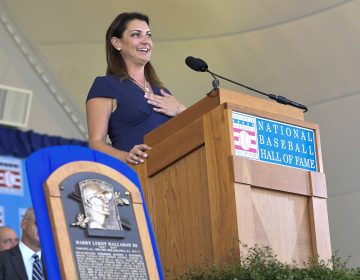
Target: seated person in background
24,260
8,238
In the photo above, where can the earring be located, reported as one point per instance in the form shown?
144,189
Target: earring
118,49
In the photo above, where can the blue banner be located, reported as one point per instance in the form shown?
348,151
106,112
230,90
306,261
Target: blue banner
275,142
14,192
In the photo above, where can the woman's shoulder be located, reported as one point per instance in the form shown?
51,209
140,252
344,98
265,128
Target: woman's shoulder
107,79
103,86
113,81
108,86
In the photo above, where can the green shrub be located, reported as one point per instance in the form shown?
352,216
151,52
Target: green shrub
261,264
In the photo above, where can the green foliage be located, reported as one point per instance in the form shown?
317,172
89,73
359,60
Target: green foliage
261,264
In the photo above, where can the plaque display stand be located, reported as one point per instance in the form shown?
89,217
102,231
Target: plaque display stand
91,216
202,199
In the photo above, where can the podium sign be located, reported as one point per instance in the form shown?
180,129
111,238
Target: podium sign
99,224
274,142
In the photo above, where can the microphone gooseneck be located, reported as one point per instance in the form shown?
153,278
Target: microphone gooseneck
200,65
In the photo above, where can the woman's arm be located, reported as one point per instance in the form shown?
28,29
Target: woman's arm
98,112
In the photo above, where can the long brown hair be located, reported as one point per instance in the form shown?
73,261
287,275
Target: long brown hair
115,62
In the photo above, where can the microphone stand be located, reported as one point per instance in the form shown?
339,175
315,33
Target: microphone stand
215,83
278,98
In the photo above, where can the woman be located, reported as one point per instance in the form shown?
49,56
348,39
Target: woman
130,100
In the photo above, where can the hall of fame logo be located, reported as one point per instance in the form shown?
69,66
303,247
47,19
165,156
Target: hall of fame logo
10,176
245,135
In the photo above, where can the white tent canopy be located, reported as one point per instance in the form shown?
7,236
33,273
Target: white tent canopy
305,50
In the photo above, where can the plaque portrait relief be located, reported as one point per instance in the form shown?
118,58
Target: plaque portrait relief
99,205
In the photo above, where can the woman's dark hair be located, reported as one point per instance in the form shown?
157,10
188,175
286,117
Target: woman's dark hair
115,62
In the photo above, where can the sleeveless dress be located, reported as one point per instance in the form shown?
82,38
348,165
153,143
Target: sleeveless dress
133,117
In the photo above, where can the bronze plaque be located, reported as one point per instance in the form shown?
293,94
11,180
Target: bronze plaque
104,228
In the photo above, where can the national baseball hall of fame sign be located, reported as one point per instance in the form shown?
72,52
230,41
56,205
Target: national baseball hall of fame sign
274,142
99,223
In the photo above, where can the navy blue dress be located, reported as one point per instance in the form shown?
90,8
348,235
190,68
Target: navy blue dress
133,117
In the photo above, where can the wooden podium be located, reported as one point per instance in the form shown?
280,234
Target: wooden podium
203,200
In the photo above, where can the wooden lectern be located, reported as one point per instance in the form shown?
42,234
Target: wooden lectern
203,200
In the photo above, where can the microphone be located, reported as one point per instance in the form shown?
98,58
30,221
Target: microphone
200,65
196,64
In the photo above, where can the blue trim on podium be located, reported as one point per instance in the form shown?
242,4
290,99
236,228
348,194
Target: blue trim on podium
40,165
